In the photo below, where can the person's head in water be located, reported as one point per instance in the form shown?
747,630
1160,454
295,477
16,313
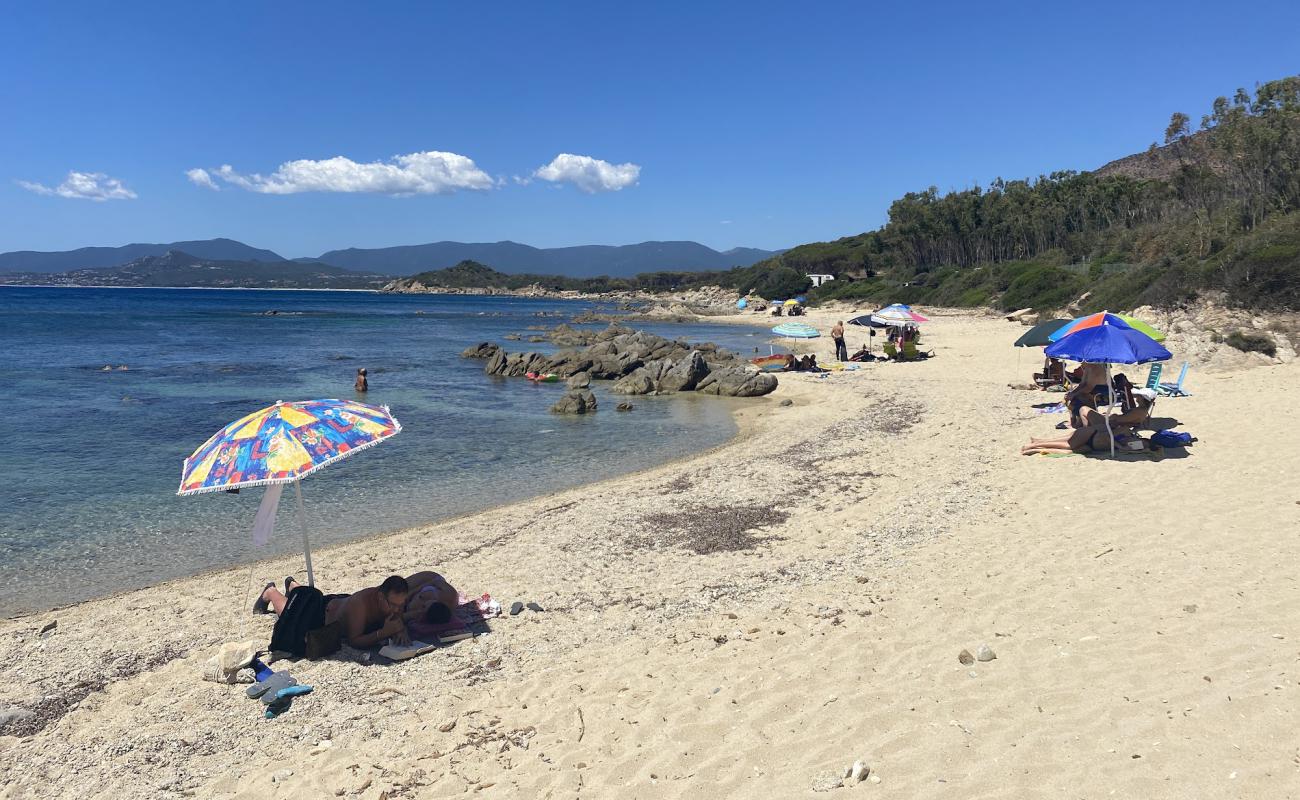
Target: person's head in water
361,371
394,590
425,607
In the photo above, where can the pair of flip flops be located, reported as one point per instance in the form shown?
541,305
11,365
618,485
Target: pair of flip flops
517,607
277,691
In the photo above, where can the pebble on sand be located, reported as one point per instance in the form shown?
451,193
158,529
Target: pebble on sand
965,658
985,653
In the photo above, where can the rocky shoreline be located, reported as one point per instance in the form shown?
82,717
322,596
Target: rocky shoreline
705,300
638,362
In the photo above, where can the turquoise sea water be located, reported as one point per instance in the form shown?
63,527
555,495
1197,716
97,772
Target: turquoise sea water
89,471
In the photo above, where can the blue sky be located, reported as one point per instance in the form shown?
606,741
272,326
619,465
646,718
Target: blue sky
756,124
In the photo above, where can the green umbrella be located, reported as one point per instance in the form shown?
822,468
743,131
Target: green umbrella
1037,335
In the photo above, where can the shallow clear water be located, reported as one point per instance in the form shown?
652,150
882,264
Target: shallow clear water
89,472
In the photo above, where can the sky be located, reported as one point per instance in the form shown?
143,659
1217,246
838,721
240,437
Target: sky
305,127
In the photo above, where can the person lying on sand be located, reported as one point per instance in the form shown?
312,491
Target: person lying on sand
431,599
369,616
1089,439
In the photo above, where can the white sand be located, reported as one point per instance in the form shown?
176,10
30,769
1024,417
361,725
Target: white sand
1144,616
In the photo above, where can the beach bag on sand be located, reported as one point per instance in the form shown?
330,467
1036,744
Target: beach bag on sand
304,612
1171,438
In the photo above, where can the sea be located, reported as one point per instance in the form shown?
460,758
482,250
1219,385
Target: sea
107,390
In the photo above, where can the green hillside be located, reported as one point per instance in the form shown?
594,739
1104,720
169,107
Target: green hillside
1218,209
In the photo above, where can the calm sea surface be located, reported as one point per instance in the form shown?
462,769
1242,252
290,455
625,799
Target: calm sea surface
89,471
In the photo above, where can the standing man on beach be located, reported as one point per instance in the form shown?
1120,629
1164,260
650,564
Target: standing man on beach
841,351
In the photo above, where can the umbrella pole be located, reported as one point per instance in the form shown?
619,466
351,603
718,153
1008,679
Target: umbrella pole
302,523
1110,406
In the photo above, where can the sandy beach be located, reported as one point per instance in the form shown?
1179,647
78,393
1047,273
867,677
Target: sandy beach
750,621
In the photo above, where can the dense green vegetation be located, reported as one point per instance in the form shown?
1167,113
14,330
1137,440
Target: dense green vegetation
1214,210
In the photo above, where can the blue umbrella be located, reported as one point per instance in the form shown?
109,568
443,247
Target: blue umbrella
1112,342
1109,344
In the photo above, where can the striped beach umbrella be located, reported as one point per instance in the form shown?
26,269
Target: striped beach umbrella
284,443
897,314
1105,318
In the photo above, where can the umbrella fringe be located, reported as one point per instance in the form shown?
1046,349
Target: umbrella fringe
397,428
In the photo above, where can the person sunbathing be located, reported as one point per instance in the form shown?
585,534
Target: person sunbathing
431,600
369,616
1089,439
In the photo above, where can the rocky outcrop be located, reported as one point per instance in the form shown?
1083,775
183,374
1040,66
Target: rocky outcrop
737,383
638,363
480,350
685,375
576,401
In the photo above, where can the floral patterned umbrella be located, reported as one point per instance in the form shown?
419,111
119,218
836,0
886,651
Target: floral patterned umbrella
285,443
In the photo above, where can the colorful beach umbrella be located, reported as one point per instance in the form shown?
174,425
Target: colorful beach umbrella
1040,334
1105,318
284,443
897,314
796,330
1110,342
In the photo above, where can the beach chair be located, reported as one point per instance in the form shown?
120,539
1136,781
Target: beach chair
891,351
1051,377
1153,377
1175,389
909,351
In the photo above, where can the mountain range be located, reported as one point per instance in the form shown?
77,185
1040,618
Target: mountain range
178,269
507,257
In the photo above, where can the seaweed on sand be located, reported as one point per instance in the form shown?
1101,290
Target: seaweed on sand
709,529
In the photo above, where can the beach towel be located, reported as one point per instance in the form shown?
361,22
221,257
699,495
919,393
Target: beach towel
1054,408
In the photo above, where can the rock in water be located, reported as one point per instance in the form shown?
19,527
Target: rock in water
623,407
636,383
576,401
965,658
480,350
985,653
496,362
685,374
737,383
580,380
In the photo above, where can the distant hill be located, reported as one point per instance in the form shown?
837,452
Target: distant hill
176,269
584,261
94,257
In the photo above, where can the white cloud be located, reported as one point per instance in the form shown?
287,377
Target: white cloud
201,177
84,186
589,174
430,172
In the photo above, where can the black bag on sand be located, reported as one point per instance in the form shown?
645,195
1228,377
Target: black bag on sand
304,612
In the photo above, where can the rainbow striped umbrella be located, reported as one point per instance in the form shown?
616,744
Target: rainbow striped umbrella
1104,318
284,443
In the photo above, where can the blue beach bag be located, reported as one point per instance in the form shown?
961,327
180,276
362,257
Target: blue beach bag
1171,438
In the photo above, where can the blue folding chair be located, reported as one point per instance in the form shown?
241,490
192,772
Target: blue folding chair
1153,377
1175,389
